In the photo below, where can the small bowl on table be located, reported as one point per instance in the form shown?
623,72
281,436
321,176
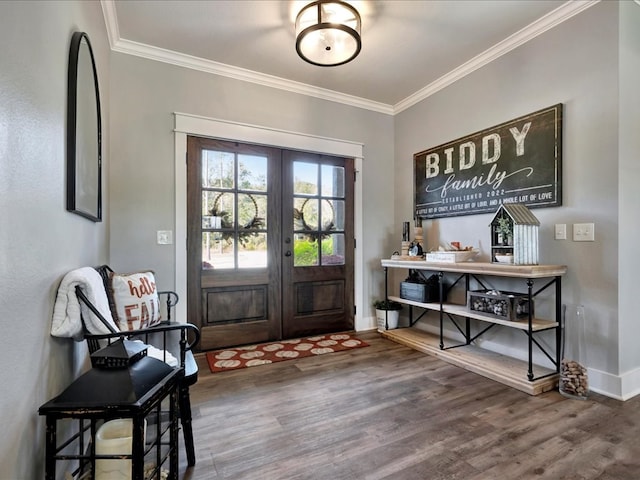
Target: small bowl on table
508,259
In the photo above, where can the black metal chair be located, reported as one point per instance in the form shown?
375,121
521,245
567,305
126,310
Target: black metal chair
177,339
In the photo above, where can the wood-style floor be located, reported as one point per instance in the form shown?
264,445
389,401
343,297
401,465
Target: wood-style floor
389,412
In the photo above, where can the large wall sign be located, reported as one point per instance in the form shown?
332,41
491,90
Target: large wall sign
519,161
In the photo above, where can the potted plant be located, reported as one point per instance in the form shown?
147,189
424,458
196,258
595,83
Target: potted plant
504,229
387,313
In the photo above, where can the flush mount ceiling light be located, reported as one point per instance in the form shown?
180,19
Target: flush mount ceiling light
328,33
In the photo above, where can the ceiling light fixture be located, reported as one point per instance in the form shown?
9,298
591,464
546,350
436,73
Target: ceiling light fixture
328,33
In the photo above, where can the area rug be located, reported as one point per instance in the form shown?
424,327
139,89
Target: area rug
254,355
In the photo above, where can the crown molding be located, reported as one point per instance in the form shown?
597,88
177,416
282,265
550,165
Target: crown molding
552,19
111,21
216,68
208,66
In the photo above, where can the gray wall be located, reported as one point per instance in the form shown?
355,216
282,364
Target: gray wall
629,174
569,65
39,239
142,160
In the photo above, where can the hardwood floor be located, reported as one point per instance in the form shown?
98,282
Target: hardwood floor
389,412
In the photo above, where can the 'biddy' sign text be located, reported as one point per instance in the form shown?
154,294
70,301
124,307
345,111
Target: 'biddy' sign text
516,162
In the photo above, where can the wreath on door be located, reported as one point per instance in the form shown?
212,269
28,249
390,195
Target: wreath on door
226,222
310,232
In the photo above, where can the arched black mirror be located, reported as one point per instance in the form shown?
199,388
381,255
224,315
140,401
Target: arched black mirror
84,132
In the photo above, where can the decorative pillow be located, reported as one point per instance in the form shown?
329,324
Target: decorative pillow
135,300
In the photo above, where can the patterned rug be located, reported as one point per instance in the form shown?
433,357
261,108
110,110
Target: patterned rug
254,355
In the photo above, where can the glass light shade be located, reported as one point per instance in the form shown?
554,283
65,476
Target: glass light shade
328,33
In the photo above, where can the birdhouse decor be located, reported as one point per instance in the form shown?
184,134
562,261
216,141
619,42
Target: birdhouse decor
514,235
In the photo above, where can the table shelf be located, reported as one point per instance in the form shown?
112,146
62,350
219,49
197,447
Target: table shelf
500,368
537,324
481,268
550,275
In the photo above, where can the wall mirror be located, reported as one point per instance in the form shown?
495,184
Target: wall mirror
84,132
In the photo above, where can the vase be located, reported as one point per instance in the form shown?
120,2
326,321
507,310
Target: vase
574,381
387,318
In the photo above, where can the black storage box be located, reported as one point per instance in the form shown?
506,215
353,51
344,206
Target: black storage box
423,292
505,305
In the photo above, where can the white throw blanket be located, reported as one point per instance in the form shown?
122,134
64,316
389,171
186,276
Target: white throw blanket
67,309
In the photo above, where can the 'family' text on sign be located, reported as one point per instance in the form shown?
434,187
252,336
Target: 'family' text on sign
516,162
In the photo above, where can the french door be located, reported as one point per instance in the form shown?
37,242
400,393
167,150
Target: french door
269,242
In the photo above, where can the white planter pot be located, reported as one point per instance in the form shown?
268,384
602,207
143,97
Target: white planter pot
393,316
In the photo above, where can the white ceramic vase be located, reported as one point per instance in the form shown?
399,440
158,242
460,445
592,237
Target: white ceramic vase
393,316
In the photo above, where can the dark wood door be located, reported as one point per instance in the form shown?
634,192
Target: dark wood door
233,242
269,243
319,244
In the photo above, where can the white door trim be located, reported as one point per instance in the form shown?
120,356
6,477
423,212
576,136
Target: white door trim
186,124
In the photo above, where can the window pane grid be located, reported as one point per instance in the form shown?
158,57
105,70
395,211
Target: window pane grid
318,215
234,211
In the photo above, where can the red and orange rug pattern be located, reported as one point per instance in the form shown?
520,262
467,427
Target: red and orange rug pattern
265,353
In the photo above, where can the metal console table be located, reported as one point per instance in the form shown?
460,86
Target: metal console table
146,390
551,275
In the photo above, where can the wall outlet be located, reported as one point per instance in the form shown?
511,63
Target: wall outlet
583,232
561,231
165,237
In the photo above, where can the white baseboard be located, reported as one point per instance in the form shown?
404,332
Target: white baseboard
362,324
630,384
621,387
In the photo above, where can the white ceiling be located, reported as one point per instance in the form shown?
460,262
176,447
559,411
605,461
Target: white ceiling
410,48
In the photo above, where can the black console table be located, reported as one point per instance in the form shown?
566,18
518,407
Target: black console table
147,390
500,368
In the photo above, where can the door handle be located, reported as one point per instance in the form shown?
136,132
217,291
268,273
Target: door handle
287,253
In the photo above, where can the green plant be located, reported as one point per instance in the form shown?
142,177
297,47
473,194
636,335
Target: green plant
387,305
504,226
306,252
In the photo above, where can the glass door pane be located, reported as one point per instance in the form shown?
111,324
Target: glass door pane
234,210
318,214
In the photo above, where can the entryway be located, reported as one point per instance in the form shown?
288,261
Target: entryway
270,242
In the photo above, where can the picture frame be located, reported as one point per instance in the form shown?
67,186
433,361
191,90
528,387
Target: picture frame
518,161
84,132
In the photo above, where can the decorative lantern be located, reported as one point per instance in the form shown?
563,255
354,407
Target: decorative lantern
514,235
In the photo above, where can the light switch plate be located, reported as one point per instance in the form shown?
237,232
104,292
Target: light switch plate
165,237
561,231
583,232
